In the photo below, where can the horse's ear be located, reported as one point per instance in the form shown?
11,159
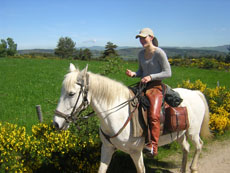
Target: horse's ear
84,71
72,67
86,68
82,75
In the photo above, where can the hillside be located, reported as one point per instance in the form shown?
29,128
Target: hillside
28,51
217,48
132,52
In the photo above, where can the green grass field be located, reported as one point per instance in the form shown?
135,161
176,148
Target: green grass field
25,83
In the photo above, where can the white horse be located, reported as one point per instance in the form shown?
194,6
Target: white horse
82,88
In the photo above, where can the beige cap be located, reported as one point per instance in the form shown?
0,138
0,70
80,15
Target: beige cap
145,32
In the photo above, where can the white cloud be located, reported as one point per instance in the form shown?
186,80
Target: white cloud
91,41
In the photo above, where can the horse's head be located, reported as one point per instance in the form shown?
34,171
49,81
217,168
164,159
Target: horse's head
74,97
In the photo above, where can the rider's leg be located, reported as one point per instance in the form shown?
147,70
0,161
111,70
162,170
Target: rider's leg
155,98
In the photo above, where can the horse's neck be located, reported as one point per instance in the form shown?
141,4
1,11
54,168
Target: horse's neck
106,95
106,91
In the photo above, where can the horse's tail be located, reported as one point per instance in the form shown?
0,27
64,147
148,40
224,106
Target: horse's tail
205,131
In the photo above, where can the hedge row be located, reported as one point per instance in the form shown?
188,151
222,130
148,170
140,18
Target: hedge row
203,63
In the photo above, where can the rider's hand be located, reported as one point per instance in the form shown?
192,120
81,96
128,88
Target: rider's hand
130,73
146,79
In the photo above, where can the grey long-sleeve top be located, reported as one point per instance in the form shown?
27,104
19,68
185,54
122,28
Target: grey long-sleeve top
157,67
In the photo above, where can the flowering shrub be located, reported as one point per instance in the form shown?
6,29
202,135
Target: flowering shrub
219,104
203,63
45,149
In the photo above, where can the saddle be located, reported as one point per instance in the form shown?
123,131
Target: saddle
173,118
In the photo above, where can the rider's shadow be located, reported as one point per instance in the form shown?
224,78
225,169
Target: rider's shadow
122,163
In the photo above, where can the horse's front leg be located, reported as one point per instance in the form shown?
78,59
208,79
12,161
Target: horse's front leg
106,156
138,161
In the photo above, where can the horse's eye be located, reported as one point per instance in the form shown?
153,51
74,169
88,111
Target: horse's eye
71,94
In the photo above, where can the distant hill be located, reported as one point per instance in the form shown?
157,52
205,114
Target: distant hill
192,52
132,52
28,51
98,48
217,48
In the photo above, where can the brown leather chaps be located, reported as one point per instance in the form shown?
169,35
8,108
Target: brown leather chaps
154,94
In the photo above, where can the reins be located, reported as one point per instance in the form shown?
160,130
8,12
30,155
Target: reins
135,104
122,128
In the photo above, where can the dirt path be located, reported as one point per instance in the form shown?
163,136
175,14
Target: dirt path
215,158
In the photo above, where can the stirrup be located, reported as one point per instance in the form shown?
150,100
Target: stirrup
149,151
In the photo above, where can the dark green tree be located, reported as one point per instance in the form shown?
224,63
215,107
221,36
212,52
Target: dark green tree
227,59
65,47
8,48
109,50
12,47
83,54
87,54
3,48
78,54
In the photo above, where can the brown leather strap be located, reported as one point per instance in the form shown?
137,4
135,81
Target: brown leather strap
122,128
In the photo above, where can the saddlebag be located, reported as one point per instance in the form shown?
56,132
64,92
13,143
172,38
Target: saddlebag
176,119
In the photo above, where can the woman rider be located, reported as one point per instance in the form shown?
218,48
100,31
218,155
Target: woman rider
153,68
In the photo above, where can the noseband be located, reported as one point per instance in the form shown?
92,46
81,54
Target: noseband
73,116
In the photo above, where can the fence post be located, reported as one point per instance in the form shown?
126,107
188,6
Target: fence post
39,113
218,83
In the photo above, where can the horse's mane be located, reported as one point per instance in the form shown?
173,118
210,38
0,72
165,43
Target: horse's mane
106,89
103,88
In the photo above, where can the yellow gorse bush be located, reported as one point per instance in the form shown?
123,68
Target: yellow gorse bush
219,104
56,150
12,140
203,63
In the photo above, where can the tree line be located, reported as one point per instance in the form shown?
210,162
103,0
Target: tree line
66,48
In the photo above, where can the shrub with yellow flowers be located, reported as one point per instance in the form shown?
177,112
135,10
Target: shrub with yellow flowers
46,149
204,63
12,142
219,104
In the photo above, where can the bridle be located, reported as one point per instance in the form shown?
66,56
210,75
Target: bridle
73,116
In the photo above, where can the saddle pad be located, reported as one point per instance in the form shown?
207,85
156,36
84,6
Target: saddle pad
139,120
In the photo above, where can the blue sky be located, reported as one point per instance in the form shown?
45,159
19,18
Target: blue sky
40,23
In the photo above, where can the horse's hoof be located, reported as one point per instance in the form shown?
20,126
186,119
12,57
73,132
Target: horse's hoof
194,171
